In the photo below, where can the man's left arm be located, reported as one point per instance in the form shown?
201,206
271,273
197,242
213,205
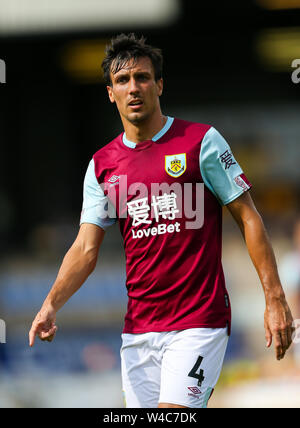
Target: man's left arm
278,318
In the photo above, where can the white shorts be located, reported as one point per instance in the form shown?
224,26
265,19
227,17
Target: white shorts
176,367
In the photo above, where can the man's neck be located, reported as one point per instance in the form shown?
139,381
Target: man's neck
145,130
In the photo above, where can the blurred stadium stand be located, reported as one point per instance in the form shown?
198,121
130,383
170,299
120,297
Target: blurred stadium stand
227,64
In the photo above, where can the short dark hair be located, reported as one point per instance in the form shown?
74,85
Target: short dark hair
126,47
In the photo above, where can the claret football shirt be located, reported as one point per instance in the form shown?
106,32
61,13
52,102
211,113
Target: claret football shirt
166,195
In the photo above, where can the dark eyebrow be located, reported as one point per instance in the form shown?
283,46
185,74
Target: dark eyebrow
143,72
124,73
121,75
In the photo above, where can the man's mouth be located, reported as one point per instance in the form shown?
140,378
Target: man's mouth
135,103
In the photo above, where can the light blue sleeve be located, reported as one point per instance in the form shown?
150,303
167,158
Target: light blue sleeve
220,171
95,208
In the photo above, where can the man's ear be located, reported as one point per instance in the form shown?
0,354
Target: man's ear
110,94
160,86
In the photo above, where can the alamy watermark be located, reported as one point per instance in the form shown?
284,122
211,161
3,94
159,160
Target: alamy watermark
2,331
162,201
2,71
296,73
296,334
151,207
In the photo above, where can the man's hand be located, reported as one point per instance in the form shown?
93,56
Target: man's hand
43,325
278,317
278,322
78,264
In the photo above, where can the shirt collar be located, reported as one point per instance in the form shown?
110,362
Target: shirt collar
156,137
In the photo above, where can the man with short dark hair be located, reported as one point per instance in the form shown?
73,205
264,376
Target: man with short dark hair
150,178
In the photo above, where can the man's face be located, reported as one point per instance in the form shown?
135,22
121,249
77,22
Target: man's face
135,90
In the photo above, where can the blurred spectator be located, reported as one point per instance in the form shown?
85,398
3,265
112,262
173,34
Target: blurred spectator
289,270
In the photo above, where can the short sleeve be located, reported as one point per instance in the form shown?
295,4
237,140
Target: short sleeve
95,208
220,171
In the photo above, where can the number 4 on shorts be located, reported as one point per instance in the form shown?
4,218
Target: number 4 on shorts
193,372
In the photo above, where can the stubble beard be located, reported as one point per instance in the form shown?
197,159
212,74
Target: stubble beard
137,119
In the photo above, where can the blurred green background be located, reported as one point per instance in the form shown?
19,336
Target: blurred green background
228,64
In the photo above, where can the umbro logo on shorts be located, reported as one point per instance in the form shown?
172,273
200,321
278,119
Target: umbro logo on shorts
194,389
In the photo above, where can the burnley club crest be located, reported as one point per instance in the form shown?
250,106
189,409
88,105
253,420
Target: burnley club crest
175,165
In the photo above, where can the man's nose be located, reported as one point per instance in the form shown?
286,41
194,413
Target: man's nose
133,86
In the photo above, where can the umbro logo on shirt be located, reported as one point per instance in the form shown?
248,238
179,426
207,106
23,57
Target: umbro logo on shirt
113,178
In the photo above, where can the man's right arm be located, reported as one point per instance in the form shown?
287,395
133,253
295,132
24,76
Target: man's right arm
78,264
